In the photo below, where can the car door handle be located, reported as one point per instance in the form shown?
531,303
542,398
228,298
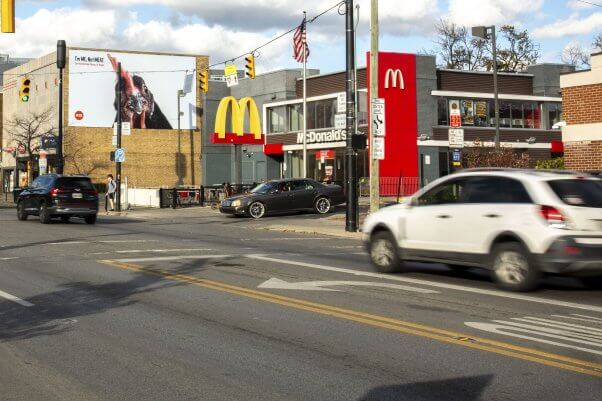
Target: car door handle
492,216
444,216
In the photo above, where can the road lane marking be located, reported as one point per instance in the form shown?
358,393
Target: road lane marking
584,318
456,287
167,258
164,250
450,337
277,284
11,258
15,299
288,239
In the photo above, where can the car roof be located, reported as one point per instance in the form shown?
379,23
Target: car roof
532,174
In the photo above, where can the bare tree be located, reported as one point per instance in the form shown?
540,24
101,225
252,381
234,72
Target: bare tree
77,156
456,48
518,52
574,54
29,129
597,43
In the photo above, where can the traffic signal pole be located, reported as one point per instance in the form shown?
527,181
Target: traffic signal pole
61,61
351,215
118,164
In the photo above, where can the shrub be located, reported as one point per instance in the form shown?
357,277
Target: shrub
552,164
488,156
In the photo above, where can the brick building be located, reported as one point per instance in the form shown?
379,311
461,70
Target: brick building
582,102
157,153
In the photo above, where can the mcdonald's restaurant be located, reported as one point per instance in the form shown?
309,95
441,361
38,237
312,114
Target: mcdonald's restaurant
422,105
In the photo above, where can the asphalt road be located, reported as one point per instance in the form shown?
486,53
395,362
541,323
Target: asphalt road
196,306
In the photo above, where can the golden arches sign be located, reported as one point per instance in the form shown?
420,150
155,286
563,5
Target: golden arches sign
239,111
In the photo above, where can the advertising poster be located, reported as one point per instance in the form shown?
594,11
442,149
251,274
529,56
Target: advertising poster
467,112
149,88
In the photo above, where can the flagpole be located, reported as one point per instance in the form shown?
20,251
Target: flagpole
304,95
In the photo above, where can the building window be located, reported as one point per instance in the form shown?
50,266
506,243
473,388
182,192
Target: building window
442,114
320,114
276,119
467,112
295,117
516,112
504,115
554,114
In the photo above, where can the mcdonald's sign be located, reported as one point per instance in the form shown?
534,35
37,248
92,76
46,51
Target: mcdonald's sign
236,135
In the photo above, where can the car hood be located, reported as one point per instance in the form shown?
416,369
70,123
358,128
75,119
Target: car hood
242,196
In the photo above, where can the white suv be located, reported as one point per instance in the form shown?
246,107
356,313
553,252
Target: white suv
517,223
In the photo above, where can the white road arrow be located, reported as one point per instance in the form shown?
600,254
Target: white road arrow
277,284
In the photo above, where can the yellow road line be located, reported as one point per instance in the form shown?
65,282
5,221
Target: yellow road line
484,344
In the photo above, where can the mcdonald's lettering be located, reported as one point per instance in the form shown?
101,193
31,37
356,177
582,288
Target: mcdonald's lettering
238,112
391,78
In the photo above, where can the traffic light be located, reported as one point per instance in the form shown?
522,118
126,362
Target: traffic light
250,67
8,16
204,80
24,92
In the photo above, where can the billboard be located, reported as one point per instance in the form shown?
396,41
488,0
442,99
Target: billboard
149,90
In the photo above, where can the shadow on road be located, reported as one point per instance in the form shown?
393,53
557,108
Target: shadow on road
460,389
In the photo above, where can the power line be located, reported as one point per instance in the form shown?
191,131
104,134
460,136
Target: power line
311,20
590,3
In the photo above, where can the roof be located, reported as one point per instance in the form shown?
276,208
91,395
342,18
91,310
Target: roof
545,174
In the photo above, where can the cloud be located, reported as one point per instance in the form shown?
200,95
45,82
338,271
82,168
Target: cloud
579,5
262,15
37,35
570,26
491,12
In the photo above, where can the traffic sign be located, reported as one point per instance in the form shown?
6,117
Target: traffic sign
378,153
377,112
126,129
119,155
231,75
456,137
340,121
342,102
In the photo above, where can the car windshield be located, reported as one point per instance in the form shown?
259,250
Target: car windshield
579,192
74,182
264,188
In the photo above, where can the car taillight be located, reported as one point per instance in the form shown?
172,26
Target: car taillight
56,191
553,216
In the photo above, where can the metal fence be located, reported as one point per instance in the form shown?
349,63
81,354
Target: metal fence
205,195
392,186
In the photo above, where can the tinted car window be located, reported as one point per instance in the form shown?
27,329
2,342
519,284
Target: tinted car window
265,188
494,190
448,192
583,193
36,183
301,185
73,182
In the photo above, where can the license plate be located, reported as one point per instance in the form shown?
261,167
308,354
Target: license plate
77,196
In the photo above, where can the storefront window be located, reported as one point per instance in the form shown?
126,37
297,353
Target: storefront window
442,114
554,114
467,112
480,113
276,118
516,111
295,116
504,114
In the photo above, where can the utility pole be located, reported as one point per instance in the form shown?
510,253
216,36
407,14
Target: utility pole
488,32
179,156
61,61
118,163
351,215
374,163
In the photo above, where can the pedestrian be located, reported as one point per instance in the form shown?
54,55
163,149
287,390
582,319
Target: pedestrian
110,195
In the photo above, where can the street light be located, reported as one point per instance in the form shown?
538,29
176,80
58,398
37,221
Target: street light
488,32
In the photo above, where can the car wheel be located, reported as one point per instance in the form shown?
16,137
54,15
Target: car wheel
322,205
91,219
384,254
45,215
21,215
512,268
65,219
256,210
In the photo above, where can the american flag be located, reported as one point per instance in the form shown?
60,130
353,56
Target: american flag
299,42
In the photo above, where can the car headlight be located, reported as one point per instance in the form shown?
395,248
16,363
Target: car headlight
236,203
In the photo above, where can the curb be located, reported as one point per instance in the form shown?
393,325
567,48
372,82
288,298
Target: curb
312,231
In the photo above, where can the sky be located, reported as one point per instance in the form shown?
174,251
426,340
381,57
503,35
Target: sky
226,29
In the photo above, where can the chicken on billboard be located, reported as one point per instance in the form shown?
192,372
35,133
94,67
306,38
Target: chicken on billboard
149,89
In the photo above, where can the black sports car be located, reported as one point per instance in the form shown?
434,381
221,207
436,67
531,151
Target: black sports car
281,196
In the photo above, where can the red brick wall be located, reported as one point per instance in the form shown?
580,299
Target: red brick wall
583,156
582,104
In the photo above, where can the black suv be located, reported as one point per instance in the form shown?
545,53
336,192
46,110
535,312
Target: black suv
61,196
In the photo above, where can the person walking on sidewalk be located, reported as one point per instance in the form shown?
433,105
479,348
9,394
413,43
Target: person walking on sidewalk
110,195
